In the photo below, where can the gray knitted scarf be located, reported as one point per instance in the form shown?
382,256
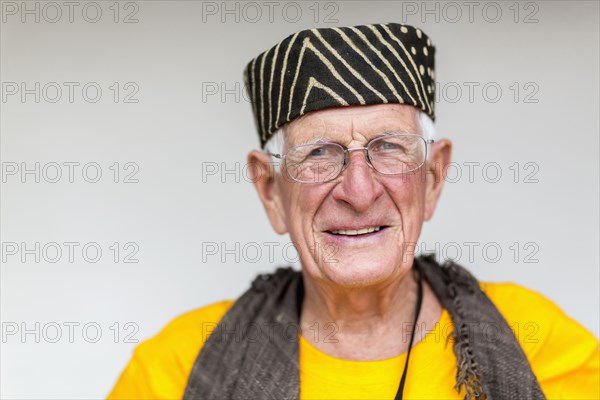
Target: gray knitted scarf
253,351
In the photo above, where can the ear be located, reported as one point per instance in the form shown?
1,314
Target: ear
437,167
262,173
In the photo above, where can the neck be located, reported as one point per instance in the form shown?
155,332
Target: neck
341,321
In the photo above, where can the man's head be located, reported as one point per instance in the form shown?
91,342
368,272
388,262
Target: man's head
356,87
359,198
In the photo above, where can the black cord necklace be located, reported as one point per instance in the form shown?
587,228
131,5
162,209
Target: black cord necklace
412,334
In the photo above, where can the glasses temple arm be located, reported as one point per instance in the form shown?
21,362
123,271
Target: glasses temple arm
274,155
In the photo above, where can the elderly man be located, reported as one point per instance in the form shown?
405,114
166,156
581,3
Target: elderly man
345,116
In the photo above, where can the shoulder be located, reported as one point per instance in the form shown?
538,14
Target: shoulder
160,365
563,354
185,335
519,303
535,318
511,299
189,325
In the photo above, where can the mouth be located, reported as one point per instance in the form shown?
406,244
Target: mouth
357,232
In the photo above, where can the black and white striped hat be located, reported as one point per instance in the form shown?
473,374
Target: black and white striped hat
332,67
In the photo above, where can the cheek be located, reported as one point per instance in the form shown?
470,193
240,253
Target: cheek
407,191
301,203
408,194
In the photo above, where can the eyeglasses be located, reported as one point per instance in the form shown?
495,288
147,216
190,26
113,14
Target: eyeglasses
320,162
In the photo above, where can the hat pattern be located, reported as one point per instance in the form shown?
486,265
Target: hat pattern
330,67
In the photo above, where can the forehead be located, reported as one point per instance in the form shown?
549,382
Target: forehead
355,123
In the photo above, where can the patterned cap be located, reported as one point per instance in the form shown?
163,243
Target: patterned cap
332,67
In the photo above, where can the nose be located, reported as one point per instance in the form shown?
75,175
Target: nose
358,187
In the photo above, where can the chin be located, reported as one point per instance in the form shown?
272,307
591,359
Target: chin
359,271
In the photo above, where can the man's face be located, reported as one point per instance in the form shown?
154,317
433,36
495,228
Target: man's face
360,198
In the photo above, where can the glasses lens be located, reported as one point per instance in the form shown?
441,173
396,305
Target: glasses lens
313,163
397,154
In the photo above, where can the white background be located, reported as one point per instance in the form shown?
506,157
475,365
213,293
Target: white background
178,130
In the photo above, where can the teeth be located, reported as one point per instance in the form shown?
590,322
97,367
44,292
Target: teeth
358,232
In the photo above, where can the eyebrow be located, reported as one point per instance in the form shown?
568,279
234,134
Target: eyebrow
316,140
323,139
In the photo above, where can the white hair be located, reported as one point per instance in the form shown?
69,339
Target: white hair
275,143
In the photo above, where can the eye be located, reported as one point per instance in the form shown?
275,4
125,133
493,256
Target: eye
390,146
383,145
318,152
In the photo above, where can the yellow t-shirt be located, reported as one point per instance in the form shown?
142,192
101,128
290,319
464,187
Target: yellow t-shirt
564,356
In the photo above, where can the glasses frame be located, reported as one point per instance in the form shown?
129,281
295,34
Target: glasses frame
347,150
